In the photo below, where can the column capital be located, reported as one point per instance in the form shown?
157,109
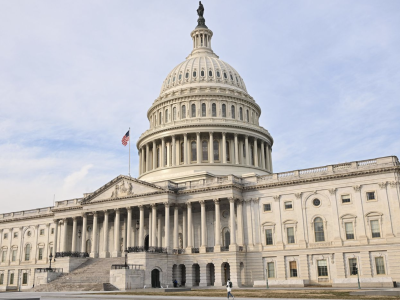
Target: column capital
255,200
105,211
117,210
357,188
74,218
84,215
216,201
167,204
223,133
231,200
95,213
173,136
153,205
129,208
277,197
239,200
332,191
141,207
246,136
211,132
189,204
202,202
185,134
197,133
176,206
235,134
298,195
382,185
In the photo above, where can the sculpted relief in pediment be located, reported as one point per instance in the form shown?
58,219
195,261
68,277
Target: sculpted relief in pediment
123,189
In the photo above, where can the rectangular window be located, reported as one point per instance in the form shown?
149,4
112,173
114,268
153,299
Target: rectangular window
267,207
271,270
353,266
290,235
371,196
41,231
268,236
293,269
3,256
349,230
11,278
288,205
346,199
375,230
5,236
25,278
15,235
1,279
322,268
52,231
14,255
40,256
380,266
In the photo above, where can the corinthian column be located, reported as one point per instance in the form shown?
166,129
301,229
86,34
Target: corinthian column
55,241
246,147
153,224
117,233
224,147
255,153
84,229
105,253
217,247
233,224
141,225
94,246
203,226
173,151
262,155
176,226
129,227
74,225
198,148
185,156
211,153
166,204
147,158
236,149
162,161
240,221
190,226
154,155
64,235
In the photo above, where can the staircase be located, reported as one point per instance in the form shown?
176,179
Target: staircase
89,276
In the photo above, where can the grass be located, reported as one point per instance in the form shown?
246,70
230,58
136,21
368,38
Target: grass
256,293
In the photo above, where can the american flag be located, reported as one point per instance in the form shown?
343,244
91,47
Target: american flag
125,139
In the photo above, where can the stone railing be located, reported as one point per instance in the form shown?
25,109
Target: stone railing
26,213
209,249
72,254
48,270
64,203
178,251
126,266
148,250
230,179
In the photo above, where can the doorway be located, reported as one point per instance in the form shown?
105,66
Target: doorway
146,243
226,271
89,246
155,278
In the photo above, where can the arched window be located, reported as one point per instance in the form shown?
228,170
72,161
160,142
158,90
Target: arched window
216,150
160,118
241,114
193,148
194,73
228,157
193,110
225,76
319,230
223,110
218,74
204,147
27,252
166,116
183,116
182,154
203,110
210,73
174,114
202,73
187,75
233,111
214,109
247,115
158,157
180,76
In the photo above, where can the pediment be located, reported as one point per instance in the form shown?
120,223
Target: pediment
122,187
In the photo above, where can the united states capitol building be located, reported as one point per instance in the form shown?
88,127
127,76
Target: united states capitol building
207,205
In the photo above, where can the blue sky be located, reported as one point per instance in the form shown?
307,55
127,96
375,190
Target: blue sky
74,75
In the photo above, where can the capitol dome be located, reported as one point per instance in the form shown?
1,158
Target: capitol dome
204,123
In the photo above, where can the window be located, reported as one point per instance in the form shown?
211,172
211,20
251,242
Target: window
187,75
228,157
218,74
193,148
319,230
24,278
267,207
194,74
41,232
233,111
371,196
223,110
231,76
174,114
353,266
322,268
5,236
380,266
244,150
204,147
13,254
216,150
203,110
160,118
247,115
290,235
158,157
52,231
180,76
293,268
183,116
346,199
15,235
225,76
375,230
241,114
288,205
251,155
40,255
166,116
11,278
268,237
348,226
3,256
210,73
182,152
1,278
193,110
27,252
214,109
271,270
173,80
202,73
316,202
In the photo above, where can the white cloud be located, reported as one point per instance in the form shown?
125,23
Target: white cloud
71,180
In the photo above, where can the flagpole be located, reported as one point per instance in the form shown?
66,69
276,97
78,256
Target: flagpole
129,152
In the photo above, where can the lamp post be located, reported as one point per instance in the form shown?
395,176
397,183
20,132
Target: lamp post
266,276
50,258
126,257
358,276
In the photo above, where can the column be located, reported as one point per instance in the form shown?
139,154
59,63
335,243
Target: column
147,158
236,149
84,229
153,225
189,229
246,147
240,221
129,227
203,226
173,151
154,155
64,236
141,225
162,152
166,229
168,150
255,153
270,159
117,233
159,242
74,225
184,230
105,252
185,158
224,147
262,155
94,238
217,247
140,162
176,226
199,154
211,152
150,229
35,248
232,223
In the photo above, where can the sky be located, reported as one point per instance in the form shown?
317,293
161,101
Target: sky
75,75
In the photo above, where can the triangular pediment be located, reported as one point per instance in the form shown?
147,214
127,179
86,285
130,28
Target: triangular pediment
122,187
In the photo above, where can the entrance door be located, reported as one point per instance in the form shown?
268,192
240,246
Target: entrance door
146,243
89,246
155,278
227,272
227,239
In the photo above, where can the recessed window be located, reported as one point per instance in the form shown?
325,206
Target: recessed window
29,233
202,73
183,116
322,268
293,268
241,114
218,74
223,110
237,79
13,254
288,205
349,230
353,266
24,278
225,76
216,150
5,236
375,229
290,235
267,207
15,235
268,237
194,151
41,232
371,196
316,202
346,199
40,256
180,76
203,110
233,111
214,109
187,75
27,252
271,270
210,73
193,110
1,278
231,77
194,73
204,147
380,266
11,278
173,80
89,228
52,231
3,255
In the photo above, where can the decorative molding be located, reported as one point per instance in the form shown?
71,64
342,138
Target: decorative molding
332,191
382,185
298,195
394,184
357,188
277,197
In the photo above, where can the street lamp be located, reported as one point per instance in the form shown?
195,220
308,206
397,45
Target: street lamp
137,225
358,275
266,276
126,257
50,258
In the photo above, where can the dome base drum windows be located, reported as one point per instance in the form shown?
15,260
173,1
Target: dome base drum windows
203,110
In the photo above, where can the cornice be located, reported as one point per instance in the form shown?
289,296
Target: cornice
67,208
213,188
27,218
130,197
